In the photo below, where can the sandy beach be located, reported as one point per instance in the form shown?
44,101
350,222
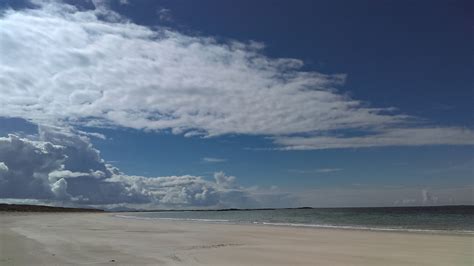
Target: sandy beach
103,238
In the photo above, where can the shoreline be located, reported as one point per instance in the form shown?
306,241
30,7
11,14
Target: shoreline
301,225
102,238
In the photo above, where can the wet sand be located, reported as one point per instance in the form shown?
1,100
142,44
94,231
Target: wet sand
103,239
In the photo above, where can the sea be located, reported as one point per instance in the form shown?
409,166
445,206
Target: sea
451,219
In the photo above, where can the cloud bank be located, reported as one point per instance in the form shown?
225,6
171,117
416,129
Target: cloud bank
64,65
61,166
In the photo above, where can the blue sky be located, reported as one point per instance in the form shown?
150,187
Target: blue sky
414,56
295,100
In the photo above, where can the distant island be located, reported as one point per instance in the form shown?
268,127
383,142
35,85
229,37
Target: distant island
41,208
121,209
394,209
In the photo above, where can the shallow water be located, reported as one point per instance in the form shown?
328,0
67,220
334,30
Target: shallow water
446,218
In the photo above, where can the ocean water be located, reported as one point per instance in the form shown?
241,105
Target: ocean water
447,218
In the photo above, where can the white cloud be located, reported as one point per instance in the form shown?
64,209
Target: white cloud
315,171
29,163
59,174
224,180
64,167
213,160
3,168
61,168
428,197
367,196
328,170
383,137
165,15
404,202
92,134
59,189
64,65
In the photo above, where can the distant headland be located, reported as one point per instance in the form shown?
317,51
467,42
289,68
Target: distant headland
42,208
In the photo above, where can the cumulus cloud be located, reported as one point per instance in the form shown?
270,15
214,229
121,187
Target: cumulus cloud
223,180
61,64
59,189
428,197
62,166
3,167
28,164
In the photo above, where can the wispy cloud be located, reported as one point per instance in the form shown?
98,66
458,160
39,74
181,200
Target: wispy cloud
213,160
92,134
328,170
96,68
315,171
165,15
382,138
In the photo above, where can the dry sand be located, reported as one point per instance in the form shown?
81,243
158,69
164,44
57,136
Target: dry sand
101,238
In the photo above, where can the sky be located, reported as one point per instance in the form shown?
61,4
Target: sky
249,104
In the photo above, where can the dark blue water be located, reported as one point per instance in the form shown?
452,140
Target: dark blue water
447,218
